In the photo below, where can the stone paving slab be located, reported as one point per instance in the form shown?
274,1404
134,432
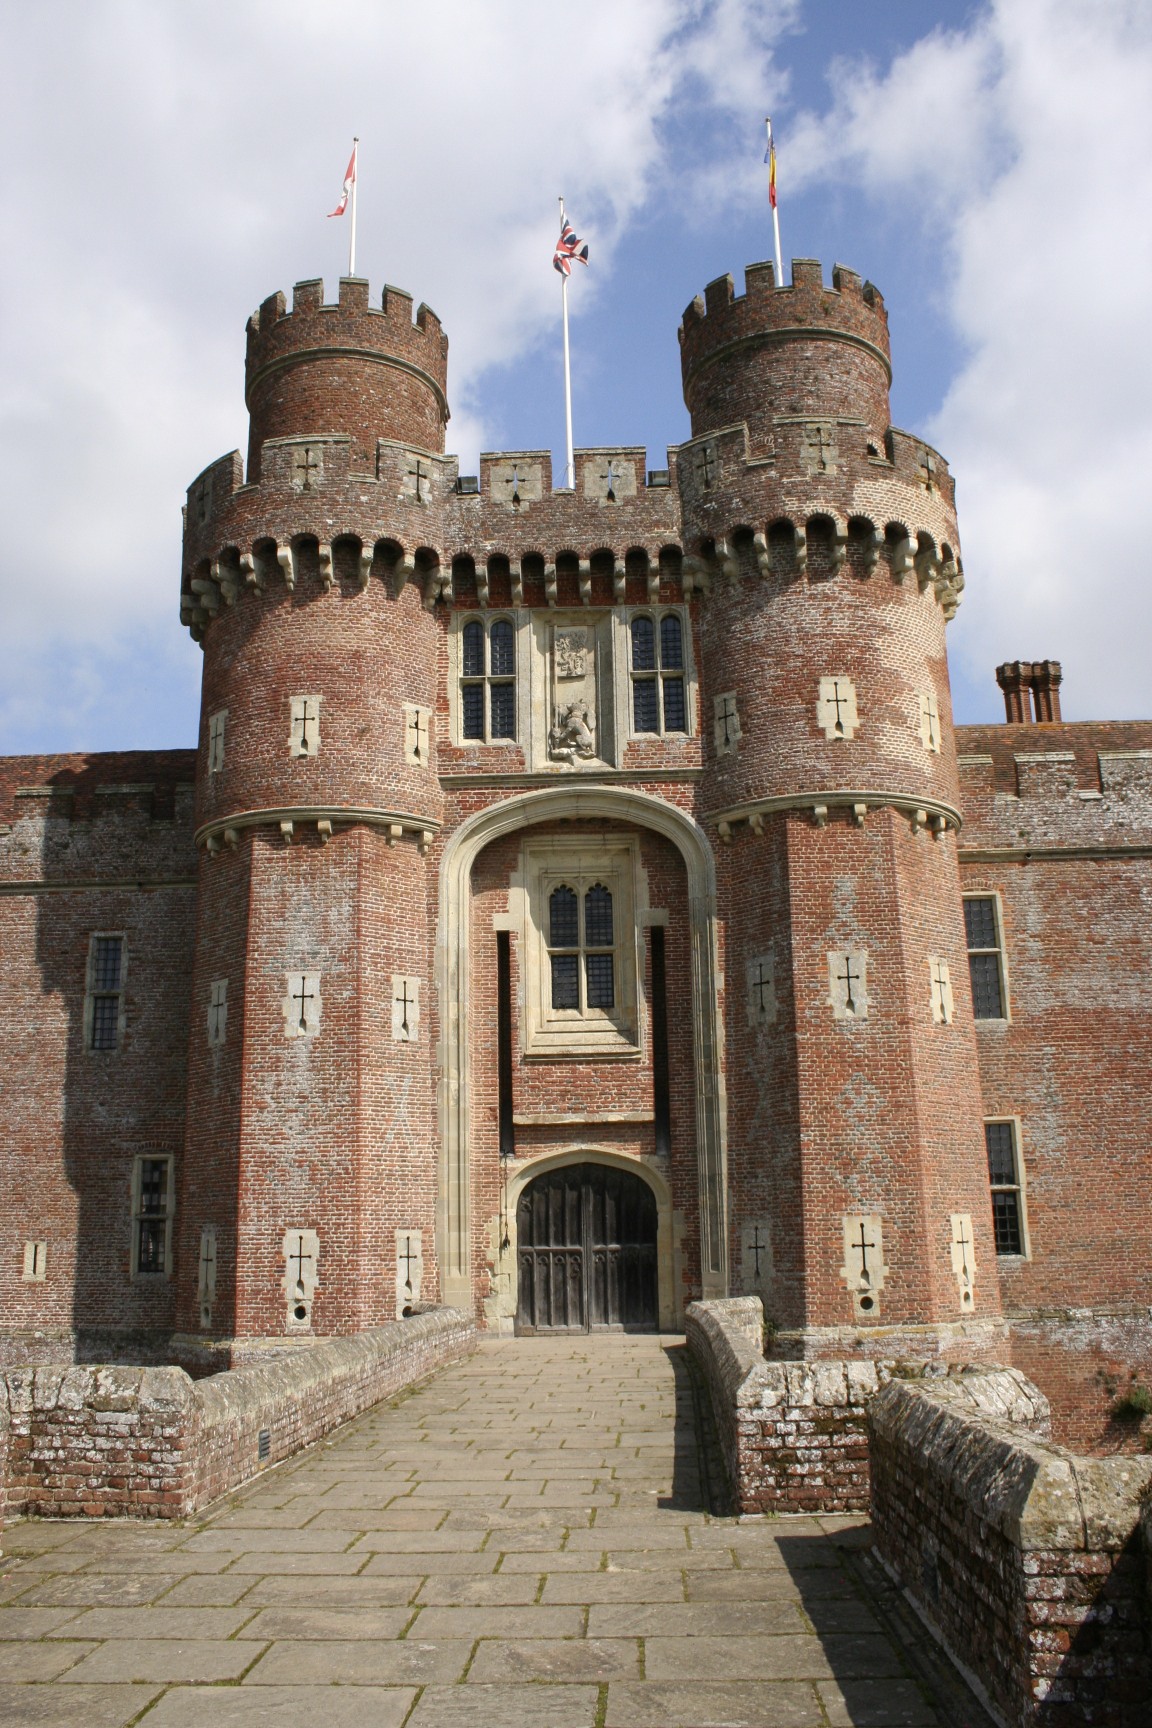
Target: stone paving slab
283,1707
523,1543
789,1704
506,1707
54,1707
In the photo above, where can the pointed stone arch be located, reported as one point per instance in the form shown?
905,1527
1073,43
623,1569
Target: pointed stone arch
597,803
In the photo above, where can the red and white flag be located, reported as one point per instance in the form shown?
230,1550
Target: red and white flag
349,182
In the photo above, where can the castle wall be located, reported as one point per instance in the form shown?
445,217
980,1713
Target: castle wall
87,844
1058,824
570,1107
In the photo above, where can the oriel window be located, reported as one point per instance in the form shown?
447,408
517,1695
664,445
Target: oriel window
488,680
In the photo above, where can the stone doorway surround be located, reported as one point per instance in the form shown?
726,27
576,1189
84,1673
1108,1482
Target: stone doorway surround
594,803
501,1309
588,1244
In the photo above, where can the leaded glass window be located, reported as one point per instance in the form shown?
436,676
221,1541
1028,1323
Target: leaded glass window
106,967
488,680
581,948
1007,1187
985,956
152,1217
656,665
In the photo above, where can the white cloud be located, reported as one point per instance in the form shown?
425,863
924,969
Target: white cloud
168,166
1026,142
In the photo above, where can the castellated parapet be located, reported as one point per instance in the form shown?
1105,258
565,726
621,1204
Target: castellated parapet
367,372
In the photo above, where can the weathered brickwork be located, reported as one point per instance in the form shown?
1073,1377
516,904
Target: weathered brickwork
1058,824
1026,1558
719,689
795,1434
89,844
152,1443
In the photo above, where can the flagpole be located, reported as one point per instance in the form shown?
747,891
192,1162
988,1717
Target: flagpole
775,208
352,229
571,469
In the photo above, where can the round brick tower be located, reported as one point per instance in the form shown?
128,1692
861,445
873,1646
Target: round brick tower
311,587
827,541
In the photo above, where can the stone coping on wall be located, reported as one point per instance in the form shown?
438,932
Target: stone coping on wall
108,1441
794,1434
1023,1557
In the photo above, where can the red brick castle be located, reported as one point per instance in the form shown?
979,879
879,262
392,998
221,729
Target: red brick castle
581,900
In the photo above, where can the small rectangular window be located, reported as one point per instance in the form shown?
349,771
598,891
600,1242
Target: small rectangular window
1005,1179
985,956
107,964
152,1211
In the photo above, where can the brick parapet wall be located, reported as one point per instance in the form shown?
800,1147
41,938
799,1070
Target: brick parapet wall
96,1442
1024,1557
794,1435
152,1443
1056,786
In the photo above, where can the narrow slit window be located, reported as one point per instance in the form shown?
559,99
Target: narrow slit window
106,968
1007,1187
985,956
488,680
659,703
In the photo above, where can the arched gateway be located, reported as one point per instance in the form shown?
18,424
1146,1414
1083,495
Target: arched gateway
586,1251
532,811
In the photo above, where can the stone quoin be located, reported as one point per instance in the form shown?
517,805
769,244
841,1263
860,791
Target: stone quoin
579,903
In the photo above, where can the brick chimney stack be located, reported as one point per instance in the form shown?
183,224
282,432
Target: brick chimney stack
1031,690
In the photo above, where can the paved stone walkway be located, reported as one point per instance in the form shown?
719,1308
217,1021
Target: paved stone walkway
520,1542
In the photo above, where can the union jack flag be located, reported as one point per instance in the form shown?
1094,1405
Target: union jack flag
568,247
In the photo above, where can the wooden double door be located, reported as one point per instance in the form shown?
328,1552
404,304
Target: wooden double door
586,1251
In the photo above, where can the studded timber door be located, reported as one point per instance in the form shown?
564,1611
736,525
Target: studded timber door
586,1251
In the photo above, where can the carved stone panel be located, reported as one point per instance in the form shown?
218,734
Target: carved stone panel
609,477
964,1260
301,1251
516,483
756,1258
864,1270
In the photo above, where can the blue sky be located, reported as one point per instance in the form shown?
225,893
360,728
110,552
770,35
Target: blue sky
988,165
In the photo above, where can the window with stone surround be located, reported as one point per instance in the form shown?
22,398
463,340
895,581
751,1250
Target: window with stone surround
581,992
487,680
104,999
658,674
153,1206
986,956
1006,1178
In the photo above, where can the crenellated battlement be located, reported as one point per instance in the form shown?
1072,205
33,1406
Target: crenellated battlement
273,329
850,307
756,355
348,367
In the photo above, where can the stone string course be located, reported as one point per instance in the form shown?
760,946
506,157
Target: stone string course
1025,1558
153,1443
